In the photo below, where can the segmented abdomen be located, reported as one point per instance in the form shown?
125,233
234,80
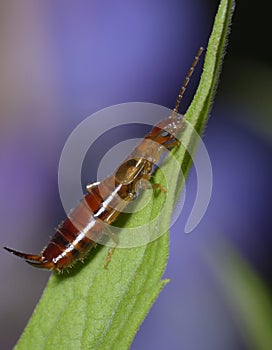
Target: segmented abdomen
86,224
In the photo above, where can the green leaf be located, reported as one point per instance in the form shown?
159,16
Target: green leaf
248,297
94,308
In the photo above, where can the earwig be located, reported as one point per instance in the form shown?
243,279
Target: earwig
105,200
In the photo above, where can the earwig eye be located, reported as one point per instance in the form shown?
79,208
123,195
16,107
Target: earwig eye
164,133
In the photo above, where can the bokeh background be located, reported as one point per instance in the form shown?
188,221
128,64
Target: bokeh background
63,60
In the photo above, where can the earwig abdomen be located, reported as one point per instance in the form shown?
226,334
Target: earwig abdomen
83,228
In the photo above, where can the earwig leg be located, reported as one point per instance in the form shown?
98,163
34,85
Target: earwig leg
146,185
176,143
112,249
110,253
160,187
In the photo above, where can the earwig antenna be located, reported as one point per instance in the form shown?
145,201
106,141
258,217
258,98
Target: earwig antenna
187,79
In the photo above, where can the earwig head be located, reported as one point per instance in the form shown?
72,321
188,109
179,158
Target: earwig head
167,139
167,131
34,260
187,79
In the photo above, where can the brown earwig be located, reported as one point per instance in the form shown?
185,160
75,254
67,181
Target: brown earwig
104,201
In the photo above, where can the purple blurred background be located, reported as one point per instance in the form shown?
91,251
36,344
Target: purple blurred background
63,60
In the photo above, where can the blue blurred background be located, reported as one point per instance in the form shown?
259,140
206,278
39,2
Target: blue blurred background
63,60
